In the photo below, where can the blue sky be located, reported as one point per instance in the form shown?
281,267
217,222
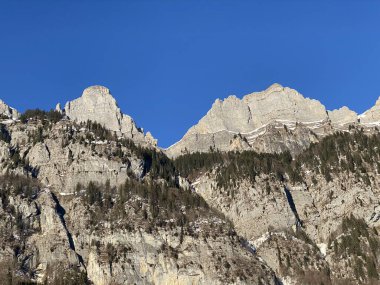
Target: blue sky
167,61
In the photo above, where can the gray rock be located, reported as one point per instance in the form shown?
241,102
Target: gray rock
249,118
7,111
58,108
343,116
371,116
260,118
97,104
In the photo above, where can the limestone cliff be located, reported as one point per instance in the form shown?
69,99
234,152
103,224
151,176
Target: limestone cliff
97,104
261,113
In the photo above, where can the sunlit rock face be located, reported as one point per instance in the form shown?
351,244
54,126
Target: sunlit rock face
371,116
98,105
258,109
274,120
250,117
8,112
343,116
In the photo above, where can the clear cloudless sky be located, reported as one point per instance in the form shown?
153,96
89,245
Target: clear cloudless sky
166,62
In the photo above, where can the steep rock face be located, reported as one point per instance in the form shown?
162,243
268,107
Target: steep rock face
277,138
68,155
283,103
98,105
248,205
298,261
33,233
270,219
371,116
56,245
162,256
322,226
8,112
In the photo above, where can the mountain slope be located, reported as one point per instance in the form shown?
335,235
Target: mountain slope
80,205
86,200
324,202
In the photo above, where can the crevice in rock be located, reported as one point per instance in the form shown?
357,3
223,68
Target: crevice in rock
250,114
292,206
61,212
48,150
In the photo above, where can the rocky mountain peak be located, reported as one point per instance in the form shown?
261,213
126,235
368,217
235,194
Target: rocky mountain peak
275,87
96,90
247,116
98,105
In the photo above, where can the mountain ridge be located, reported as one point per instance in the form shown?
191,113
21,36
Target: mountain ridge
247,117
298,203
275,105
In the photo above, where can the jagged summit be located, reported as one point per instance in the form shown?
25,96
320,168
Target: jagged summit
98,105
275,87
247,116
252,116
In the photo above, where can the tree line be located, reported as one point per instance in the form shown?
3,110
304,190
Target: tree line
341,152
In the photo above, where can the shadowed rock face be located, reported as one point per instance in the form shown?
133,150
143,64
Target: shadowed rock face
98,105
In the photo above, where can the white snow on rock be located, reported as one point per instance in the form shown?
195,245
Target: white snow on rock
323,248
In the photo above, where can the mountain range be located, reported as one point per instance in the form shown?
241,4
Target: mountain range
268,189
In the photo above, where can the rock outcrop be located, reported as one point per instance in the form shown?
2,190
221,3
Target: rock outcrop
68,156
8,112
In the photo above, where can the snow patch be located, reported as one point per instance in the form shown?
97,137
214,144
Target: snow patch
65,194
258,242
7,122
371,124
287,281
323,248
